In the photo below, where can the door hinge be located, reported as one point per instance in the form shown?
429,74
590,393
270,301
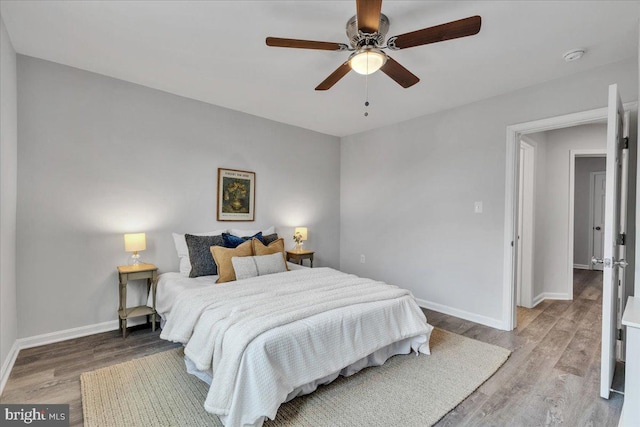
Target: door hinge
619,335
622,239
625,142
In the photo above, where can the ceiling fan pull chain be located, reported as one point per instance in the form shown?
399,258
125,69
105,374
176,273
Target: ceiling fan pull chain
366,95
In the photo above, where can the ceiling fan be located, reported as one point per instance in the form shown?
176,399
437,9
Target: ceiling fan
367,31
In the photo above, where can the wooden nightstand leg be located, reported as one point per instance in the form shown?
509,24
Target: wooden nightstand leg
311,259
154,287
123,304
149,318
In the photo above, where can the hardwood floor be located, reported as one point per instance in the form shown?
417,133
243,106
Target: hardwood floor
552,377
51,373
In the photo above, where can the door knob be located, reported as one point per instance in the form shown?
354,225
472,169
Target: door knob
605,261
597,228
622,263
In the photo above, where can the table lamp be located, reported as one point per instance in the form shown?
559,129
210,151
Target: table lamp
299,235
133,243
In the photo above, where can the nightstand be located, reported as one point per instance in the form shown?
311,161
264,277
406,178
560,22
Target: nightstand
136,272
298,255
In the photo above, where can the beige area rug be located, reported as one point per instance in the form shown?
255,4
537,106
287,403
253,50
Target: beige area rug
407,390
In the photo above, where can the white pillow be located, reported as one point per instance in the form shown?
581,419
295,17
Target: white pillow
252,266
183,250
246,233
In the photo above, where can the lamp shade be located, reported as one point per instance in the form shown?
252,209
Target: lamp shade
135,242
301,231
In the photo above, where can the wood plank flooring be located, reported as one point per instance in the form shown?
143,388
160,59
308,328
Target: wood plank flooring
552,377
51,373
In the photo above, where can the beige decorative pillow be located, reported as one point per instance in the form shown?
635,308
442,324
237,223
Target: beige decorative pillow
222,256
253,266
273,248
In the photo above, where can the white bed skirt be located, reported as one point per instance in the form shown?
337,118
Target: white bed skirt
376,358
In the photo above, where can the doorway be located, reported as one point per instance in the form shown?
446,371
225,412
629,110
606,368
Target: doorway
515,133
553,210
617,148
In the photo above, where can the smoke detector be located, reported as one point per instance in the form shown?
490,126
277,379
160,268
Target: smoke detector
573,55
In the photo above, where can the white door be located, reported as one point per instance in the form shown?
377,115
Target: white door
614,218
597,228
525,226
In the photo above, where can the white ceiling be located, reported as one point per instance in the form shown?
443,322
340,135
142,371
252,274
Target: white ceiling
214,51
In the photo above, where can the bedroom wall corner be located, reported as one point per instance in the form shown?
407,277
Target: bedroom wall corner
8,200
100,157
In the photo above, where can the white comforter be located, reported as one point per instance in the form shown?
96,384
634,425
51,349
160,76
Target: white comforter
242,331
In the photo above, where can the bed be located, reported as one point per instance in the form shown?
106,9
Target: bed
262,341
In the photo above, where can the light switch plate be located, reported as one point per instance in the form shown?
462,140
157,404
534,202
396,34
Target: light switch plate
477,207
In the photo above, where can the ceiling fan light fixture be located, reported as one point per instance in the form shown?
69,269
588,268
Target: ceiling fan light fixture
367,60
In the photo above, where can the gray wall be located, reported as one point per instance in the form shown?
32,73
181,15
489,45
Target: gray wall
8,188
582,205
552,247
407,192
99,157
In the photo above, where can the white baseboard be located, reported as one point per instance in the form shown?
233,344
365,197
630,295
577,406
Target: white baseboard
53,337
67,334
582,266
462,314
551,295
7,366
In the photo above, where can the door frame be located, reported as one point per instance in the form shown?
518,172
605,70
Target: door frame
592,195
514,133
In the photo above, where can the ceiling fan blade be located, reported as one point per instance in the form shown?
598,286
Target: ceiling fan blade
339,73
397,72
368,15
451,30
304,44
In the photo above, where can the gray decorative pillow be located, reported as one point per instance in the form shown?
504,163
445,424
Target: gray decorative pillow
252,266
202,263
269,238
244,267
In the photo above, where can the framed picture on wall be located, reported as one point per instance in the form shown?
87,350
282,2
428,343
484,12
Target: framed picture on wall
236,195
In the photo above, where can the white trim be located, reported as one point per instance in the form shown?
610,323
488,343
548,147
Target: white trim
581,267
67,334
82,331
462,314
7,366
557,296
580,152
513,137
550,295
509,318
